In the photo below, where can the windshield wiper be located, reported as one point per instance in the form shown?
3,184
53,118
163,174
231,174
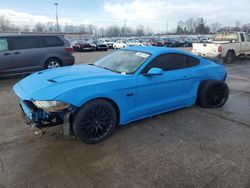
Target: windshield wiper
111,70
92,64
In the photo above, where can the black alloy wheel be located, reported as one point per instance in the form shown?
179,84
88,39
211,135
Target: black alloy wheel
95,121
212,94
216,95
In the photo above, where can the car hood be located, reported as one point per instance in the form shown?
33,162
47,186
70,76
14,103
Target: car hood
49,84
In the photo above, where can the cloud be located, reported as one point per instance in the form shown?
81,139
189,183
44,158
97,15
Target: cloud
156,13
153,13
22,18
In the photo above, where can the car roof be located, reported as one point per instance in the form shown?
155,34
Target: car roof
32,35
155,50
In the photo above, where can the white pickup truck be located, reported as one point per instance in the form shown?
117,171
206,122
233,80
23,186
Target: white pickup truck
225,46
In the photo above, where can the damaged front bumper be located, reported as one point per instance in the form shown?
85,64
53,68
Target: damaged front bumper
41,119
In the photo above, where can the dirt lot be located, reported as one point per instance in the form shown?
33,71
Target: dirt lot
192,147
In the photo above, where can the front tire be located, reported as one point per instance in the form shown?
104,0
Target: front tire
95,121
212,94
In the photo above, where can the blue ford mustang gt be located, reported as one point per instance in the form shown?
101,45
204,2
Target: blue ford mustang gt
126,85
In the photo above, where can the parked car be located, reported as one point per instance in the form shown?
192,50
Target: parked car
134,43
226,46
187,42
145,42
100,45
127,85
82,45
158,42
109,42
119,44
204,39
173,42
21,54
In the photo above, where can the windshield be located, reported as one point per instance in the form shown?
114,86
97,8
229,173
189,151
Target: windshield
225,37
122,61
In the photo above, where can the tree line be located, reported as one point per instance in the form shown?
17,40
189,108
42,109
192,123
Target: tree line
199,26
189,26
50,27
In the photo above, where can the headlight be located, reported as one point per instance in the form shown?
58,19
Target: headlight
51,106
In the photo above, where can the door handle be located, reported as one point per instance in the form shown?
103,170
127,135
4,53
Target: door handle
16,53
7,53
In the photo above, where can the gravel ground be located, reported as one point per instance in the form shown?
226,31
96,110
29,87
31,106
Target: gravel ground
191,147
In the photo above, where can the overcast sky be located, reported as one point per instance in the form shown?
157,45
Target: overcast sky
153,13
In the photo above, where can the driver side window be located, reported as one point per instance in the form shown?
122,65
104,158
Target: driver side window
3,44
168,62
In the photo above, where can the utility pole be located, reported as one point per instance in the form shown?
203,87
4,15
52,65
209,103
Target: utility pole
57,24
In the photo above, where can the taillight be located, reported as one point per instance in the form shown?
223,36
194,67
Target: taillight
69,49
219,49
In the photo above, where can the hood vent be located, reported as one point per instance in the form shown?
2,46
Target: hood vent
53,81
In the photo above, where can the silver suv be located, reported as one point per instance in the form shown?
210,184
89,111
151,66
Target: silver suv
28,53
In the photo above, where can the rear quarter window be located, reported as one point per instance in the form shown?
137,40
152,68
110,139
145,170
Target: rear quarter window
191,61
3,45
51,41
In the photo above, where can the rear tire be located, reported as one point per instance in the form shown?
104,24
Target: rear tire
53,63
230,57
95,121
212,94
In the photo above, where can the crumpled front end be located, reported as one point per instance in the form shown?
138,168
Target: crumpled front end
38,116
34,115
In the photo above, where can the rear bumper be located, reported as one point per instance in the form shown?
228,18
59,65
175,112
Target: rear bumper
86,48
102,47
68,60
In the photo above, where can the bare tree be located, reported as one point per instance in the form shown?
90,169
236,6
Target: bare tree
50,27
81,28
39,27
101,32
214,27
149,31
237,26
69,28
25,28
4,23
190,25
201,28
90,28
113,31
130,31
246,27
140,31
